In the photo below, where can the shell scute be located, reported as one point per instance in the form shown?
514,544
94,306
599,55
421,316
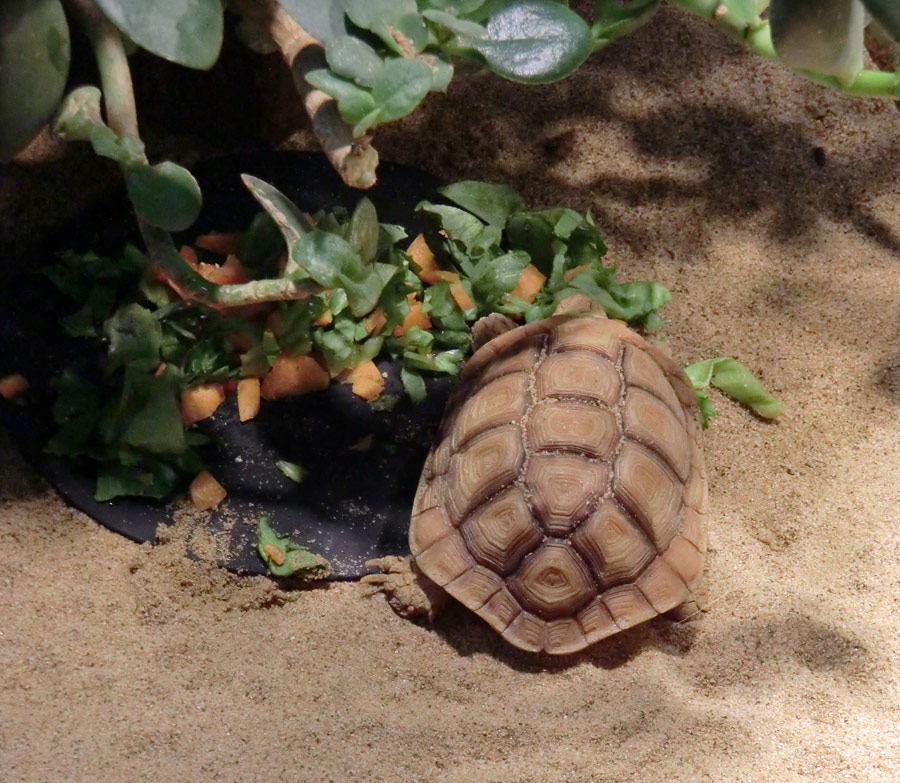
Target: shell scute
553,581
485,465
502,531
578,373
563,488
649,490
573,426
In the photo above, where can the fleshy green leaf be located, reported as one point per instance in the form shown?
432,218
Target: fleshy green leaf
188,32
414,384
325,257
535,41
463,27
166,195
292,221
353,59
734,379
34,65
400,87
285,558
322,20
612,19
379,16
292,470
412,30
363,230
824,36
743,10
135,338
492,203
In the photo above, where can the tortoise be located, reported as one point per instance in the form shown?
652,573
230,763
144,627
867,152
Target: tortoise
565,497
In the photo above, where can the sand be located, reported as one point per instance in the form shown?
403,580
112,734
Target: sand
771,207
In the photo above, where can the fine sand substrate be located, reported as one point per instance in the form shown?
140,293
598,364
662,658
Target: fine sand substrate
771,207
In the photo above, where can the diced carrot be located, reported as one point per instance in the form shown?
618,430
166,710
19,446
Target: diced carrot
424,258
248,391
206,492
367,380
324,319
275,554
230,273
200,402
292,375
223,244
530,282
13,385
570,273
415,317
188,254
375,320
459,293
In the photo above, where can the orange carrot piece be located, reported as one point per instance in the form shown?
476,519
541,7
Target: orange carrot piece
324,319
530,282
570,273
375,320
415,316
188,254
13,385
223,244
230,273
200,402
459,293
206,492
367,380
248,392
292,375
424,258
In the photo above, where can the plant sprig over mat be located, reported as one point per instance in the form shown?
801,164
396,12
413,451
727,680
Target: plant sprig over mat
364,292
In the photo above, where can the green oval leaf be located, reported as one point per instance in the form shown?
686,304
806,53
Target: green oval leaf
454,24
535,41
188,32
326,256
322,20
353,59
34,65
400,87
363,230
825,36
166,195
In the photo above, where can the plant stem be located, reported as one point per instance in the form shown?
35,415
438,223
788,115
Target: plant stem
354,159
758,38
118,96
115,75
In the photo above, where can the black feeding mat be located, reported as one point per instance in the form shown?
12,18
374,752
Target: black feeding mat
354,504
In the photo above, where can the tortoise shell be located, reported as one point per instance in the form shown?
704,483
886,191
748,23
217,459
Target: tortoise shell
565,497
